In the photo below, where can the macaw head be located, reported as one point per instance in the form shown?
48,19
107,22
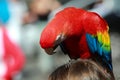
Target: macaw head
63,25
52,35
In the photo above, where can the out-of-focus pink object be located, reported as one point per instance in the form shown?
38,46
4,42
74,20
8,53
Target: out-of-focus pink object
11,56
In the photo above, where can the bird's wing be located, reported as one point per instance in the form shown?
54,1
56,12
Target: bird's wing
100,44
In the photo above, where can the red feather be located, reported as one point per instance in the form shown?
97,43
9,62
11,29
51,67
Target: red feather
74,24
82,34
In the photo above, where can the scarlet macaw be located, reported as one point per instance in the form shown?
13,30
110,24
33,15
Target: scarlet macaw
80,33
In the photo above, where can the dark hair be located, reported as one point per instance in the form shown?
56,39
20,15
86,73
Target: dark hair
80,70
87,70
60,73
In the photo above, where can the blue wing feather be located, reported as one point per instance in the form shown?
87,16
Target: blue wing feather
96,47
91,43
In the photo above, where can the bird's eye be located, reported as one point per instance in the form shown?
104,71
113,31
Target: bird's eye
59,39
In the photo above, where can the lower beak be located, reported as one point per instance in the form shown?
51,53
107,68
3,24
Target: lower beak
50,51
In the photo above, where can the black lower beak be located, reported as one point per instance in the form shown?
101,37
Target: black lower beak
51,51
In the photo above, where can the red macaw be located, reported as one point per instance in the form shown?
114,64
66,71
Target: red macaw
80,33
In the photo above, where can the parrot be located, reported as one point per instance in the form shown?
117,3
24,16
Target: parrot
80,34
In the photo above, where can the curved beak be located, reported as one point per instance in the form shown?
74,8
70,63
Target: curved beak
50,51
59,39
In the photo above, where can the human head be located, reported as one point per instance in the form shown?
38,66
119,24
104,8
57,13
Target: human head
60,73
80,70
87,70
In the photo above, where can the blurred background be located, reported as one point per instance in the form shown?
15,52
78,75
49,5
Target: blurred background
29,17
